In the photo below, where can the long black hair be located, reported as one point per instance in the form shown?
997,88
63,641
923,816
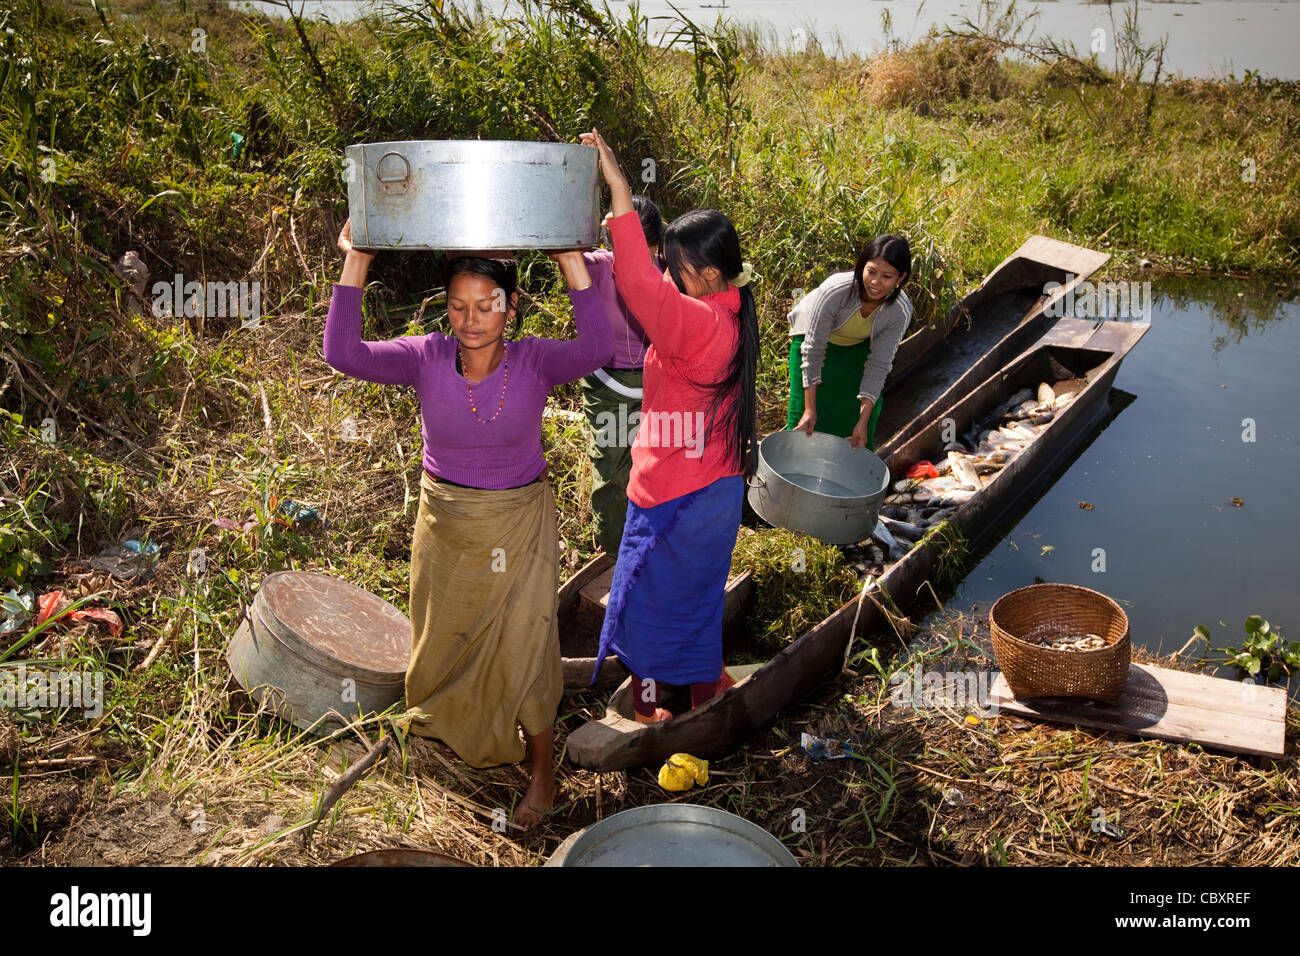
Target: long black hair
702,238
652,220
894,250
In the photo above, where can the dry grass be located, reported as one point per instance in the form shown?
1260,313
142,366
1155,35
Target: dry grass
930,788
892,79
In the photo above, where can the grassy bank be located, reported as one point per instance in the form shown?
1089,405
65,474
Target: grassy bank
209,142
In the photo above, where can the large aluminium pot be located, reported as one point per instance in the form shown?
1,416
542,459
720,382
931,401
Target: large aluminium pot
488,195
311,644
818,484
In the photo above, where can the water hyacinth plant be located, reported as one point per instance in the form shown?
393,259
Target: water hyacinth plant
1263,651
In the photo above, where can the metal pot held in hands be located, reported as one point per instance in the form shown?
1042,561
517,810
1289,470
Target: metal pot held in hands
818,484
473,194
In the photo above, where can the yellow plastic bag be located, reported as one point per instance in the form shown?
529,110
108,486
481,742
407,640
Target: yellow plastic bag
682,771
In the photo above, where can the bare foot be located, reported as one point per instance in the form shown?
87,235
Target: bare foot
536,801
660,715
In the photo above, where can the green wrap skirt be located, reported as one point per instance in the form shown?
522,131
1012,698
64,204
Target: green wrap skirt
838,408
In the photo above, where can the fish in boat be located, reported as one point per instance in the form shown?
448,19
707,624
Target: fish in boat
893,549
902,529
964,470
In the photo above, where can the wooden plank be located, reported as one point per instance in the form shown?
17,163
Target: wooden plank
1172,705
1072,333
1211,693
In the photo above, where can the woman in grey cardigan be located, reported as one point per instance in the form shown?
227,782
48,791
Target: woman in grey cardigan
843,337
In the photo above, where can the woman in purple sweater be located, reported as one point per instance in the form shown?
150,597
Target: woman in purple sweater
485,652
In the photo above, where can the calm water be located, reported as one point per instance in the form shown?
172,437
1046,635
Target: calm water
1206,39
1163,471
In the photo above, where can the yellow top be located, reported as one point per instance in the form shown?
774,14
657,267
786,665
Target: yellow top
854,331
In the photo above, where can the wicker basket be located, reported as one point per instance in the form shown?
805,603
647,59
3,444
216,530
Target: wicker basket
1024,618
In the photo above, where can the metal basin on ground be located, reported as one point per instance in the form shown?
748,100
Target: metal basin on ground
473,195
311,643
818,484
672,834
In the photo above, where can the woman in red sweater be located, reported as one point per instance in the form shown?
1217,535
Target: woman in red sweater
694,448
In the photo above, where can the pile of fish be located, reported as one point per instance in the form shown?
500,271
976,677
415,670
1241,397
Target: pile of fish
918,505
1075,642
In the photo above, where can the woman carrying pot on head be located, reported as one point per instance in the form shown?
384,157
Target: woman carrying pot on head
611,396
485,653
843,337
695,444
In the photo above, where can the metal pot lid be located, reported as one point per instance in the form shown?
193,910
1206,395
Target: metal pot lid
339,626
676,834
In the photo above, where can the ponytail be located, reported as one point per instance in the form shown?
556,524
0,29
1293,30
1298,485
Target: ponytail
706,237
745,439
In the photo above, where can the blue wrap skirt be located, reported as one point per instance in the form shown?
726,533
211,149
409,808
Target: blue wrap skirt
664,616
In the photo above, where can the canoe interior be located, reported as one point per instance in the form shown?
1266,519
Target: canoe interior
951,357
578,638
938,364
1065,369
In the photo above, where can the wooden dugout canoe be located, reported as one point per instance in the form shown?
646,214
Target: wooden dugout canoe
1073,349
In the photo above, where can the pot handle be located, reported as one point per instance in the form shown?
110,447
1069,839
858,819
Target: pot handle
757,481
391,181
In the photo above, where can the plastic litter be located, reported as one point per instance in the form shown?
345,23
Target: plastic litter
682,771
52,604
823,748
298,515
16,609
1103,826
128,561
